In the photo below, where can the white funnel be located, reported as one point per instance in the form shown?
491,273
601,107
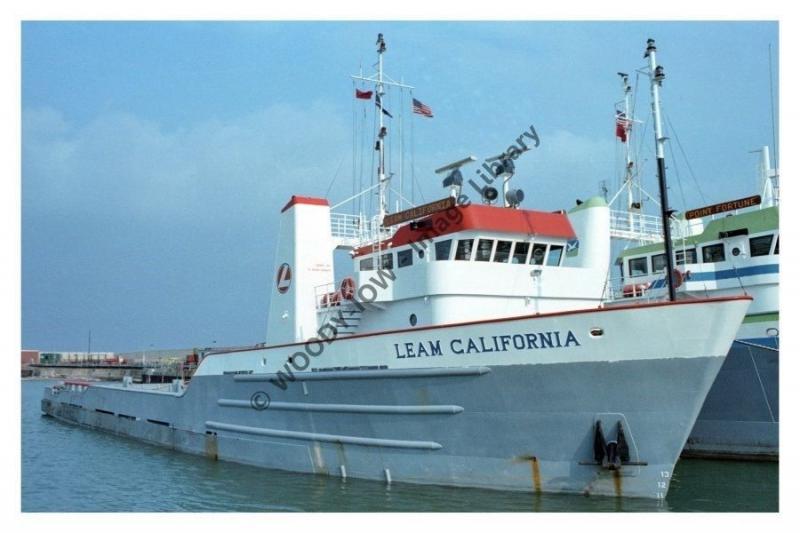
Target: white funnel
303,263
591,222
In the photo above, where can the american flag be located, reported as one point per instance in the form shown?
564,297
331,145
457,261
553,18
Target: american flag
421,109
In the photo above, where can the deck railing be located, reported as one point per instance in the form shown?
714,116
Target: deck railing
353,231
621,290
636,227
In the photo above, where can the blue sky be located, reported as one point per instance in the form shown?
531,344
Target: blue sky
156,156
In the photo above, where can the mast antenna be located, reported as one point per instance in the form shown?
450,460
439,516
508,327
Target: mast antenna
627,121
656,79
381,80
772,108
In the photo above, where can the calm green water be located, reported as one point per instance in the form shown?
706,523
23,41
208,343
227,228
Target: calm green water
65,468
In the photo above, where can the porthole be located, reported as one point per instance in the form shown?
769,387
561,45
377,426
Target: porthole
736,252
421,253
263,361
412,319
596,332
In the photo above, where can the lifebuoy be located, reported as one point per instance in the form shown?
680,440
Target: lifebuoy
677,276
348,288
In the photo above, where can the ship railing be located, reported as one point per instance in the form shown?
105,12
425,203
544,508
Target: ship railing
334,294
628,290
636,227
354,231
322,295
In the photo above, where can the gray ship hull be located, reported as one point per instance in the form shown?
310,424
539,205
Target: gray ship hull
740,416
519,427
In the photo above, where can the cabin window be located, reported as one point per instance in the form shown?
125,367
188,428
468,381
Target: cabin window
387,262
503,252
687,256
554,256
659,262
713,253
484,252
637,266
443,250
366,264
537,257
404,258
464,250
760,245
777,243
520,253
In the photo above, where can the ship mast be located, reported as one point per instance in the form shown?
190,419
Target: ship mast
656,78
381,80
769,180
381,131
626,90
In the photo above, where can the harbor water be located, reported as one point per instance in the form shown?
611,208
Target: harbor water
71,469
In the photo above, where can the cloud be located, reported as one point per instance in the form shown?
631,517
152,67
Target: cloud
584,161
129,225
122,164
563,167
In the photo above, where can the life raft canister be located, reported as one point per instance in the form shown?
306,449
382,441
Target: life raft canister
634,289
331,299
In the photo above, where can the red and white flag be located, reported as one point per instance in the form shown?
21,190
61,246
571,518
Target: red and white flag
623,126
363,95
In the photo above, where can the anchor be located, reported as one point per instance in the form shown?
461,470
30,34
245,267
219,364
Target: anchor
612,454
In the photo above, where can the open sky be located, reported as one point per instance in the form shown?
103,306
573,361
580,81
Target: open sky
156,156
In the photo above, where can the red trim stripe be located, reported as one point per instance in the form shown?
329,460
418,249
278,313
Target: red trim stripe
480,218
720,299
308,200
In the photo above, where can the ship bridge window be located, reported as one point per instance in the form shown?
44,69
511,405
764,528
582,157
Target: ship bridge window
637,266
537,256
686,256
520,253
484,252
554,256
366,264
387,262
733,233
443,250
503,252
404,258
760,245
777,243
464,250
713,253
659,262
